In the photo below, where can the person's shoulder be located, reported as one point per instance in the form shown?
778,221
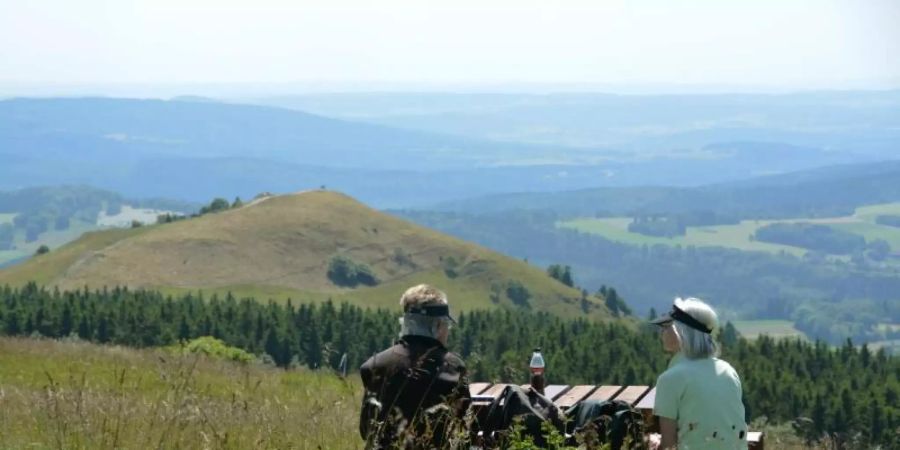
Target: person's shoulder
386,357
671,372
723,366
455,360
670,375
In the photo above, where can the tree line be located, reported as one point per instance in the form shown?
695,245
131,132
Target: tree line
849,392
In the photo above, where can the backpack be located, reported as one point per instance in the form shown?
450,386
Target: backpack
529,407
613,421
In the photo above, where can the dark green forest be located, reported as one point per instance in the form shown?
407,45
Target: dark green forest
825,192
811,236
828,299
891,221
850,393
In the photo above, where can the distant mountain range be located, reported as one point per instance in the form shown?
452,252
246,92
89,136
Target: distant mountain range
823,192
195,149
857,122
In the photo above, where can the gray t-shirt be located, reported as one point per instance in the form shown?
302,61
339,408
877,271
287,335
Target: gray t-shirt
704,397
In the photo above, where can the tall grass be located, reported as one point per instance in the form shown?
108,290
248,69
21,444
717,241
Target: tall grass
72,395
75,395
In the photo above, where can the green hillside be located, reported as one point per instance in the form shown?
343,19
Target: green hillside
280,247
82,396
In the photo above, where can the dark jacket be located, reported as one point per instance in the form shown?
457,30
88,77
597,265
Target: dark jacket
412,389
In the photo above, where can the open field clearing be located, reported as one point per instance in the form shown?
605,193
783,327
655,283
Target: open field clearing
862,222
129,214
751,329
891,347
733,236
52,239
869,213
82,396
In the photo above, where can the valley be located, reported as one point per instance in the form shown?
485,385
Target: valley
739,236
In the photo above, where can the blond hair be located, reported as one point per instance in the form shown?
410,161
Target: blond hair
422,295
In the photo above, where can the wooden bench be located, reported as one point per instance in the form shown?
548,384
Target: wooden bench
564,396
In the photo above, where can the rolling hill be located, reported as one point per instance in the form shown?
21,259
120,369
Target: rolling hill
839,126
281,247
195,151
823,192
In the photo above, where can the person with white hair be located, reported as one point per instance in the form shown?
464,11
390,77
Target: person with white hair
699,397
415,388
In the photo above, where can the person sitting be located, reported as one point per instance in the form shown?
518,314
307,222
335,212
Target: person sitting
417,389
699,397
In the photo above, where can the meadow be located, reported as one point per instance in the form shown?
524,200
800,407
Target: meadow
738,236
752,329
74,395
68,394
732,236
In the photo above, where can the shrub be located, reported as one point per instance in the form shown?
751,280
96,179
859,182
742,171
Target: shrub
214,348
343,271
217,205
517,292
451,266
561,273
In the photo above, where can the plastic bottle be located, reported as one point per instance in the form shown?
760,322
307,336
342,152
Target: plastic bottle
537,371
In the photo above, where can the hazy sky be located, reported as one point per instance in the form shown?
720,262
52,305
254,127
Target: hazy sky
778,43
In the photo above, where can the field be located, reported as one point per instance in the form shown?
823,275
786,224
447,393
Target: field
737,236
891,347
82,396
75,395
52,239
733,236
129,214
752,329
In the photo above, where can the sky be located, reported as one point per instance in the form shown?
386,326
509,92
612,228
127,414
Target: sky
777,44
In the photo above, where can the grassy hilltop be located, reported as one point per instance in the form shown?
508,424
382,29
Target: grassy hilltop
280,247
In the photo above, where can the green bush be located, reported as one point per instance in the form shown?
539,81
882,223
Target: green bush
214,348
343,271
517,292
451,267
217,205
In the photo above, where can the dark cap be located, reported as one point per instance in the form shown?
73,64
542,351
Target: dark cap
432,311
679,315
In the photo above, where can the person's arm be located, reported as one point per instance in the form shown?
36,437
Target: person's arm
668,429
669,389
463,397
370,407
